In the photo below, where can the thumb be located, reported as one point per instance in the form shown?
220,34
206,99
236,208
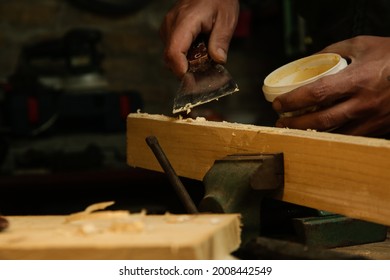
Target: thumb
220,39
343,48
218,48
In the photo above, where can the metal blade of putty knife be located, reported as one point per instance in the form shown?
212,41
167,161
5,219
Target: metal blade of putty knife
204,81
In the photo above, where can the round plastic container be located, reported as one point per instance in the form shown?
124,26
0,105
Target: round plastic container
301,72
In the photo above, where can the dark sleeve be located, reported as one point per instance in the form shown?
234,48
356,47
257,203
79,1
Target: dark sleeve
329,21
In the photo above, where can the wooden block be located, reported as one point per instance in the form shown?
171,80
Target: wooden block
153,237
342,174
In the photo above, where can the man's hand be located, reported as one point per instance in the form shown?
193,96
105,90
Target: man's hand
187,19
359,94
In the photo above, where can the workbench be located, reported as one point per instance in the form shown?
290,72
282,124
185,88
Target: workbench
374,251
137,237
120,235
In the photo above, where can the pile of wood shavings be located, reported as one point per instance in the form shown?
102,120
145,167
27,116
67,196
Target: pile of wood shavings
94,221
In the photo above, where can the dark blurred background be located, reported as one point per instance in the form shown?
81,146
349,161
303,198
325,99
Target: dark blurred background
71,71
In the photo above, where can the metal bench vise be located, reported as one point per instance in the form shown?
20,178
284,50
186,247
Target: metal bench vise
248,184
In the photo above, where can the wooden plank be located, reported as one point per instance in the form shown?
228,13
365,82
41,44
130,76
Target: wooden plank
343,174
158,237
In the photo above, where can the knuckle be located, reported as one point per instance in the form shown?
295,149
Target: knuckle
326,121
319,92
357,40
369,105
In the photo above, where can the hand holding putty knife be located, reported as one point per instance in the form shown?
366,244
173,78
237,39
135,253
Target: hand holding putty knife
204,81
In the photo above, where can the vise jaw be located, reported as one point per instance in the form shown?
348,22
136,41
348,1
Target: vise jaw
238,183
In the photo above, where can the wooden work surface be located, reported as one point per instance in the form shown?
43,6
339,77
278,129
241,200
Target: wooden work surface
342,174
131,237
373,251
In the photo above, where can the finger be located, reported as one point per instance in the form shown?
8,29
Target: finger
343,48
173,57
324,120
357,128
348,49
179,42
318,93
367,126
221,36
178,30
164,28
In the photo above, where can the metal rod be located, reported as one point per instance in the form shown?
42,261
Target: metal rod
172,176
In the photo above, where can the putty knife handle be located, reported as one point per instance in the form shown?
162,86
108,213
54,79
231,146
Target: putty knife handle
198,56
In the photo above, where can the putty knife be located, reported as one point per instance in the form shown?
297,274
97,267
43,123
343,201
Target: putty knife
204,81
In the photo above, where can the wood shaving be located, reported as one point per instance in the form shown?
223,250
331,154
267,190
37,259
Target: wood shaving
90,214
98,206
173,219
119,221
101,215
106,226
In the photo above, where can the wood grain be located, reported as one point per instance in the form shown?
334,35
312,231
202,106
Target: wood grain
338,173
162,237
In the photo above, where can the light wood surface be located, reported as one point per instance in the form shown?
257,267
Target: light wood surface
121,237
338,173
